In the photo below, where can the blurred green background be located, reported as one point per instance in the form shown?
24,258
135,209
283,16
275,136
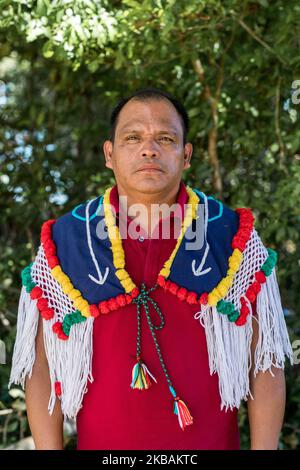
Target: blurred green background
64,64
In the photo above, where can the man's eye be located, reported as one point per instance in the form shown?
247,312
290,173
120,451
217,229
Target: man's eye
133,137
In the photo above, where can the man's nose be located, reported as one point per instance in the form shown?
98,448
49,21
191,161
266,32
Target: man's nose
150,148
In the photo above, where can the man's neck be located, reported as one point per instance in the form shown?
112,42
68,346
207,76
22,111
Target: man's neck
148,217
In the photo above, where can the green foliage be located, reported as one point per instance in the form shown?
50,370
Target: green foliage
64,63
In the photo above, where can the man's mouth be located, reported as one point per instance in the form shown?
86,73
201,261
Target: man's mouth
150,168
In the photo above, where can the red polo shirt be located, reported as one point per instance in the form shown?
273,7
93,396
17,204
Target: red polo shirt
115,416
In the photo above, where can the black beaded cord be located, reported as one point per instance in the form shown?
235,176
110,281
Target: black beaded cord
143,299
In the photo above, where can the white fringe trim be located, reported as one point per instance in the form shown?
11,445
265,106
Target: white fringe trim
273,341
229,355
229,345
70,361
24,348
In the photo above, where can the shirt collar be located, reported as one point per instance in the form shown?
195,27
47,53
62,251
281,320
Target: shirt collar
181,200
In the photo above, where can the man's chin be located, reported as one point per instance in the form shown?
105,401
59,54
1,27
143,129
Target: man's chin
150,182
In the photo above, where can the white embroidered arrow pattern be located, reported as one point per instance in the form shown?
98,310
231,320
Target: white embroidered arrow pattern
101,279
198,271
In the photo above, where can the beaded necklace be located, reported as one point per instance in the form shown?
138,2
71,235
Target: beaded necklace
140,372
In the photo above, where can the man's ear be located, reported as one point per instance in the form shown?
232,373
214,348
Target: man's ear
108,149
188,150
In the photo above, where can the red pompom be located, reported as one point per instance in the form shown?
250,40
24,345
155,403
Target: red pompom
121,300
36,292
46,231
237,243
50,252
134,293
94,311
182,293
103,307
45,234
42,303
53,261
256,287
191,298
242,210
161,281
47,313
244,310
48,224
260,277
248,224
244,233
57,388
128,298
44,237
245,213
112,304
241,320
49,248
62,335
173,288
250,294
203,298
56,327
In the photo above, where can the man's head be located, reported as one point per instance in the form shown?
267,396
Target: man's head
148,150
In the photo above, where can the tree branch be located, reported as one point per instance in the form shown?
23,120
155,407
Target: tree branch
259,40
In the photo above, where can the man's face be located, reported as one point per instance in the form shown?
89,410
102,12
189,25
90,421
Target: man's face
148,155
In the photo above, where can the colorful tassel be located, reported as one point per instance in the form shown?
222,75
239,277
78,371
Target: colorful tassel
141,376
181,410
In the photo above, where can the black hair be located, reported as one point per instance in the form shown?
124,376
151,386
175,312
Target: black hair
146,94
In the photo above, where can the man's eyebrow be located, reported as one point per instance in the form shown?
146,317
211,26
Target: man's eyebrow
130,128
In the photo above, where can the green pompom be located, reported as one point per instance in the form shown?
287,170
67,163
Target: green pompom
233,316
70,320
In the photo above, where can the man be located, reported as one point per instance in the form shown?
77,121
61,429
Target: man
95,294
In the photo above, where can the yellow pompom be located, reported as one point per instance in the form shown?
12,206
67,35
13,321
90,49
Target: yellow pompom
56,271
165,272
113,235
231,272
74,294
227,281
86,312
128,285
222,290
213,298
122,274
67,287
234,265
238,253
118,254
236,258
80,303
119,264
62,278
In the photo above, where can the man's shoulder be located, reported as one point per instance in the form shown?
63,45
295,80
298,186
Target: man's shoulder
85,210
